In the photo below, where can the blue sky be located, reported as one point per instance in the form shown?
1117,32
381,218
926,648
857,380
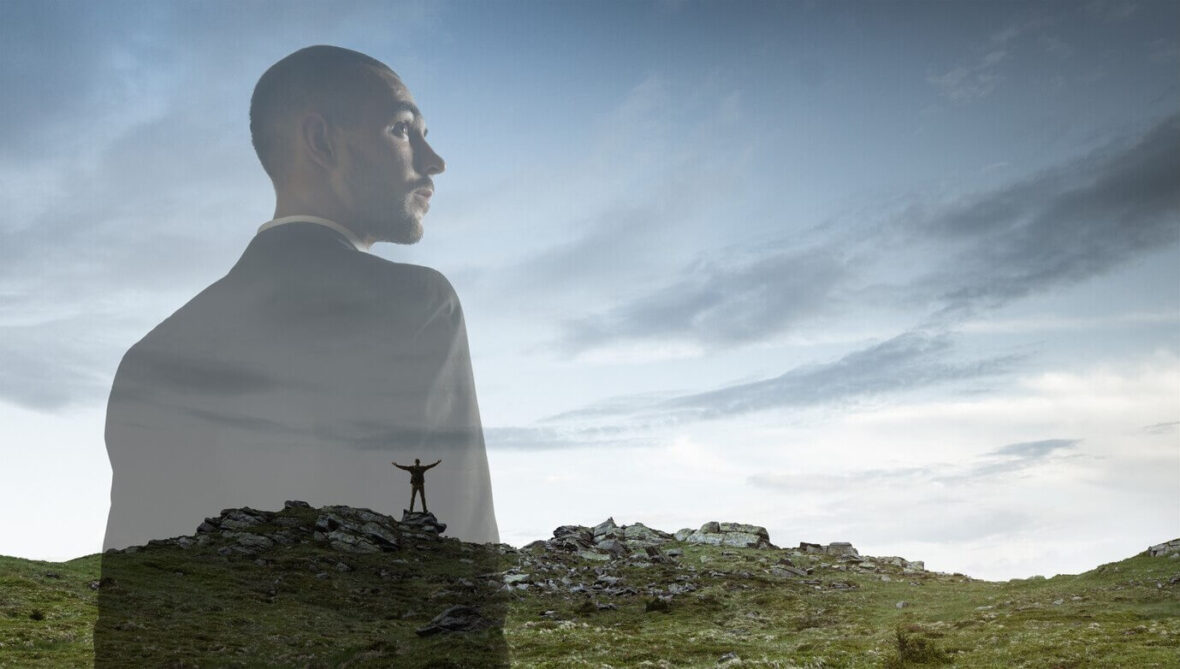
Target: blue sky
905,274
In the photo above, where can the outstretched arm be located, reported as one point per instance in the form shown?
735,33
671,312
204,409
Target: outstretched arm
432,465
400,466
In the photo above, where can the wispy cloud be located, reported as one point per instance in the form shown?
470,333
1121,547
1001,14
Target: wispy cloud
1162,428
1005,460
1058,227
965,83
1010,459
910,361
1063,226
719,303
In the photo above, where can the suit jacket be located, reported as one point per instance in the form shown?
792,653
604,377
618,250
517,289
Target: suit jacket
301,374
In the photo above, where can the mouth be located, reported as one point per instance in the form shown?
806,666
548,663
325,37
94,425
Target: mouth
424,194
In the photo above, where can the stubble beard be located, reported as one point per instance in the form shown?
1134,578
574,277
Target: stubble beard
404,227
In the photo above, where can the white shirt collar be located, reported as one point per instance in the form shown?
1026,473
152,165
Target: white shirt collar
348,234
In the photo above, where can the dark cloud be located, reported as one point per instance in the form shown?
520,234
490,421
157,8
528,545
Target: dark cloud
1011,459
1063,226
1033,450
908,361
1059,227
719,303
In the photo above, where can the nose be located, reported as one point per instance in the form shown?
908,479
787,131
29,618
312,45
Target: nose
429,162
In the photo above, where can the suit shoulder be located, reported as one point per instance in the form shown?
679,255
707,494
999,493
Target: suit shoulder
427,280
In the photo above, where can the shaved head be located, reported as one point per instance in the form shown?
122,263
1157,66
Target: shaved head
327,80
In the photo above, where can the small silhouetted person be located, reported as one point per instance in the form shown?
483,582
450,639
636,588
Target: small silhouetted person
417,480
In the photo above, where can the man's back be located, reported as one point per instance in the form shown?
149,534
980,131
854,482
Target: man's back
299,375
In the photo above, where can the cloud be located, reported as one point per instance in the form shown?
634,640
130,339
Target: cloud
813,482
1062,226
1033,450
910,361
965,83
719,303
1162,428
543,438
1005,460
1011,459
35,380
1111,11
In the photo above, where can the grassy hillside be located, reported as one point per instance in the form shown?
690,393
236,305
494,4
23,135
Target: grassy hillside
310,603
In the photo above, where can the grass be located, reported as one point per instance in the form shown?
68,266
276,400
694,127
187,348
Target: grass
298,610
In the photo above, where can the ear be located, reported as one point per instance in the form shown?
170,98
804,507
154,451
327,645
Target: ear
317,140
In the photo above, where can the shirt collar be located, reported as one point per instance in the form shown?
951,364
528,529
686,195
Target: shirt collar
348,234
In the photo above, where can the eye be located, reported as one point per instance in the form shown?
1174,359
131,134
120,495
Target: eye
401,129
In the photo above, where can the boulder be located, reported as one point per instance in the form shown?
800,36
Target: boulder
1166,549
738,535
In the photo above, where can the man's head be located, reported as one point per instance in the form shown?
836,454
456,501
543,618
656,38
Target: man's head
416,461
341,138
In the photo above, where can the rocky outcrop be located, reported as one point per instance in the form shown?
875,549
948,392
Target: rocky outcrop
1169,549
578,561
247,531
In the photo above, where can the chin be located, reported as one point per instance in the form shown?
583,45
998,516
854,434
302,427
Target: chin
405,232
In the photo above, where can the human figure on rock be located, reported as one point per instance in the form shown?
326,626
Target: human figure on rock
417,480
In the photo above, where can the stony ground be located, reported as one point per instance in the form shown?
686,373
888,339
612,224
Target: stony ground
341,587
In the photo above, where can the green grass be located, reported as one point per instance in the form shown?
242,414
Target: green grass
234,612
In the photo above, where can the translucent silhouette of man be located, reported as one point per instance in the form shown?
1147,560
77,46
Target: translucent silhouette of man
312,360
417,481
309,363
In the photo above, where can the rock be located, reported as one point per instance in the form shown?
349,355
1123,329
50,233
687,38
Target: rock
296,504
683,534
840,548
425,522
605,527
743,540
728,657
614,547
643,533
1166,549
458,618
591,555
707,538
239,519
902,604
738,535
254,541
378,534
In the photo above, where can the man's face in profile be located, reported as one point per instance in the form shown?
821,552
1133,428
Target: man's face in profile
386,164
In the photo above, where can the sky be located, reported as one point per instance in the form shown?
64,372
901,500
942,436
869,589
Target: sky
900,274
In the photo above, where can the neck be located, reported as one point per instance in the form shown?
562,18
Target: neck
285,206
